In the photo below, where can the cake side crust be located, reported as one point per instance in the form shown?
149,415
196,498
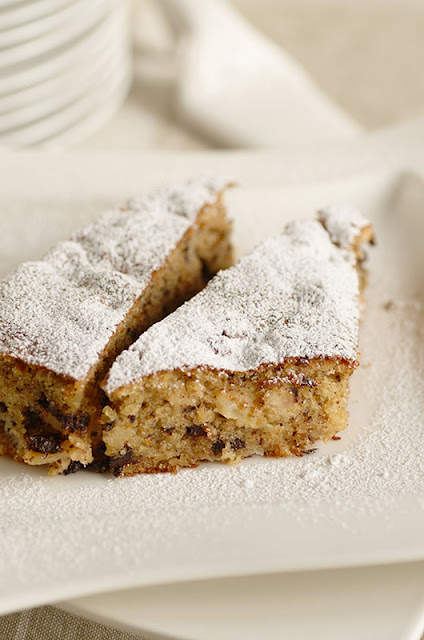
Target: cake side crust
176,419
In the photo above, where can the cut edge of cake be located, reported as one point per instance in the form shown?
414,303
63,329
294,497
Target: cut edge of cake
258,363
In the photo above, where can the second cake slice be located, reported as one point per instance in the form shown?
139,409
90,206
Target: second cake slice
257,363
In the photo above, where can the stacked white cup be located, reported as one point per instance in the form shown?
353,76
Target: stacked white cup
65,67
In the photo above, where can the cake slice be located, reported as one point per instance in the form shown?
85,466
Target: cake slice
257,363
65,318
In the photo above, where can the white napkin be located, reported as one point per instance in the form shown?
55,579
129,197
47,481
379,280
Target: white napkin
239,88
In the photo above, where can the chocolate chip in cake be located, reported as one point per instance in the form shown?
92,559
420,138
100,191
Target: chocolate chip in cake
75,422
101,462
73,467
44,402
37,436
44,444
195,430
218,446
237,443
116,464
69,421
3,407
131,418
32,419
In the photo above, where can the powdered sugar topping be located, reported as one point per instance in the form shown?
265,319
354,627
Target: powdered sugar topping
295,296
61,312
343,222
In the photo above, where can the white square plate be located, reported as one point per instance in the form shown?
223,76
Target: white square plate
357,501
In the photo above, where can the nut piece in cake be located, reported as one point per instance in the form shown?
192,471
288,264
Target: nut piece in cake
64,319
257,363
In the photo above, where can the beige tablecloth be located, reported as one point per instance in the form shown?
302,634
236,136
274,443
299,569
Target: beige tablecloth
49,623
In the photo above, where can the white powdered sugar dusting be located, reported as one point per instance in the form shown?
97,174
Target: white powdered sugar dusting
343,222
61,312
296,296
